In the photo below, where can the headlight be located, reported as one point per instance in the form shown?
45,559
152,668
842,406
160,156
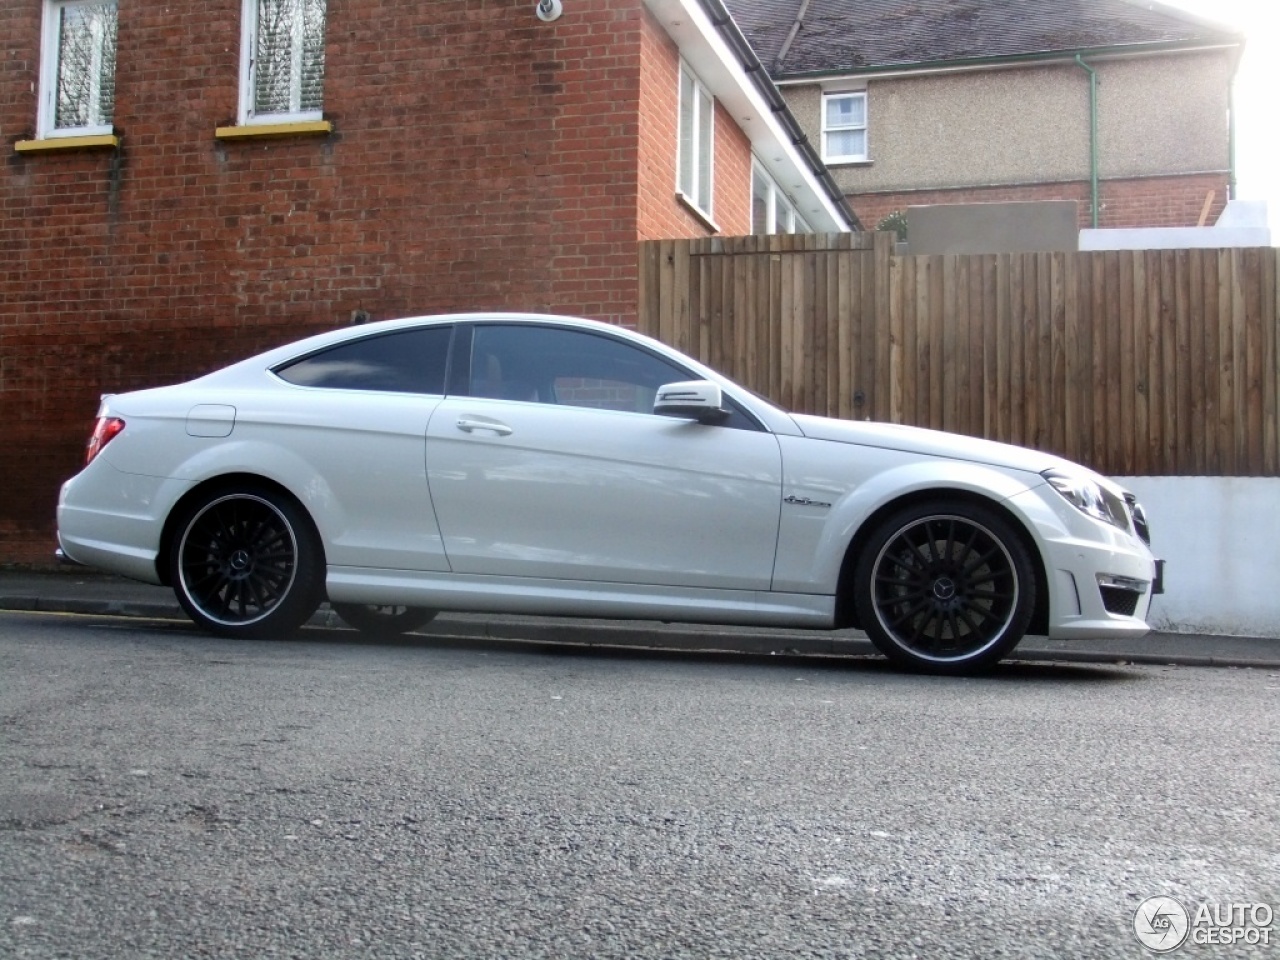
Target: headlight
1090,497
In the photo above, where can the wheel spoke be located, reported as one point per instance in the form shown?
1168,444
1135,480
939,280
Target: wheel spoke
900,575
929,542
912,557
949,551
915,610
974,628
995,551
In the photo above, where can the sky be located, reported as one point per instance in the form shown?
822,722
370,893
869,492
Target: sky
1257,94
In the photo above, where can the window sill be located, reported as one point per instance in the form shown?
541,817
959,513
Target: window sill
49,144
697,211
251,130
865,162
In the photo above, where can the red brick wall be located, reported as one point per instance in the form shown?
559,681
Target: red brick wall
480,159
661,214
732,176
1149,202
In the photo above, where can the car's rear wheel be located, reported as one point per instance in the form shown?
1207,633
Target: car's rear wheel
378,620
945,587
248,563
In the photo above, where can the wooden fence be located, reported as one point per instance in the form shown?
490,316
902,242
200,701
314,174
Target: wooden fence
1159,362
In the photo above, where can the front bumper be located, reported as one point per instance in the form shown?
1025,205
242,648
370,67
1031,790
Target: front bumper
1100,579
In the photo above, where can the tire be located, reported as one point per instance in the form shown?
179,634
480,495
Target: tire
247,563
945,588
383,621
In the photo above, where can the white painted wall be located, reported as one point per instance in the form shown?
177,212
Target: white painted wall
1221,538
1244,223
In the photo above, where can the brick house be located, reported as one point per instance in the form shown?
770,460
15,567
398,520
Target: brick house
187,183
959,101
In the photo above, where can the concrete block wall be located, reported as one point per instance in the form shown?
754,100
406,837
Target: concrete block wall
1174,201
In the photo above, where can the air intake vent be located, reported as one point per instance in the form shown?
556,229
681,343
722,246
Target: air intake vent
1119,601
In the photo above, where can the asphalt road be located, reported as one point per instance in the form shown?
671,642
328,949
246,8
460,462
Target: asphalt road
164,794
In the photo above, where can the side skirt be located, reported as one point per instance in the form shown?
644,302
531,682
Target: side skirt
574,598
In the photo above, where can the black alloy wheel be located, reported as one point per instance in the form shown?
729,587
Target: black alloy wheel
378,620
945,588
247,563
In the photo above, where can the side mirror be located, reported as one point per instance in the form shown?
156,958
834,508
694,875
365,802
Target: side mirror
699,400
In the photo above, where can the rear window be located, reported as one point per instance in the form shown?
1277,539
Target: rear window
409,361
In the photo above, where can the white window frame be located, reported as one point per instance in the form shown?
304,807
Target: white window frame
249,72
701,109
827,155
775,199
50,64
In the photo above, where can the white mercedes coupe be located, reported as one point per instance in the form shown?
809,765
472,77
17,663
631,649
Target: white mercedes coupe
514,463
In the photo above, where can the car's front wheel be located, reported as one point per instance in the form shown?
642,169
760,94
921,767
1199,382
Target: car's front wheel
377,620
247,563
945,587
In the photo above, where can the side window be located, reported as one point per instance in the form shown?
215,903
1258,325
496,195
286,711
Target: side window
411,361
844,127
78,68
695,144
771,209
572,368
567,367
282,61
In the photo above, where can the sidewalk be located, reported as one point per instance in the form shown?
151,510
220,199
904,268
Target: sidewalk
84,591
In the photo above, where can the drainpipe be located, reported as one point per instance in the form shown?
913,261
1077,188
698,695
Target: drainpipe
1231,140
1232,185
1093,135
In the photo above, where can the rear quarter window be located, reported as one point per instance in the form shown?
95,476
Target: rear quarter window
408,361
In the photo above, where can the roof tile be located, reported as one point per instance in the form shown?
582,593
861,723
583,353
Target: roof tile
838,36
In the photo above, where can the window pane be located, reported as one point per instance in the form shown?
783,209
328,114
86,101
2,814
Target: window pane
687,113
86,65
846,111
312,92
782,214
289,71
847,143
706,110
759,202
412,361
566,367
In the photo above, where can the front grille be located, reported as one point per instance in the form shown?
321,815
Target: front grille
1120,601
1140,525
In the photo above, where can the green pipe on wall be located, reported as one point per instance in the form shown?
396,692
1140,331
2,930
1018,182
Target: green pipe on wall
1093,136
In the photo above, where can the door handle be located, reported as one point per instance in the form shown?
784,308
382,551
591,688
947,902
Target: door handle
471,424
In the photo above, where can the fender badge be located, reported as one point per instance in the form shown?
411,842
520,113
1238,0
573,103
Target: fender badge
805,502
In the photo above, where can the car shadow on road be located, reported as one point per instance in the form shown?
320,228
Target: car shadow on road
858,661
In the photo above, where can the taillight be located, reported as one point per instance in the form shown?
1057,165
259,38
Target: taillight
105,430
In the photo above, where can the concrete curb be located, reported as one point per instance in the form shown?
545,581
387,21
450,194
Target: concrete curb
1159,650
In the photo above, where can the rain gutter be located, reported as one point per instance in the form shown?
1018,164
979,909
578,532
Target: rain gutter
1013,60
1093,136
720,17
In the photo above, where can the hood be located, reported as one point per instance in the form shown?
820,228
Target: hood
932,443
